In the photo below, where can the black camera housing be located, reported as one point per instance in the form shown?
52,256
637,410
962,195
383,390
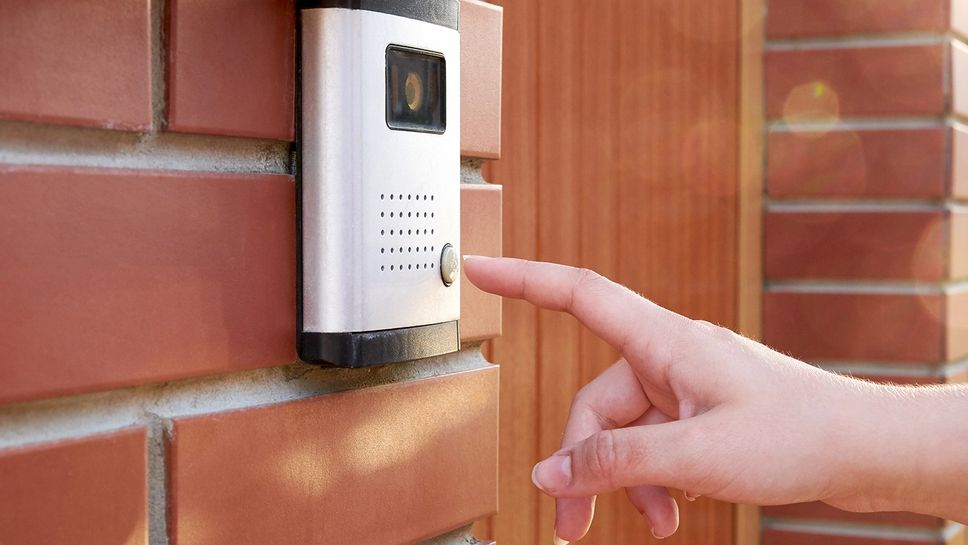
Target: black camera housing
416,90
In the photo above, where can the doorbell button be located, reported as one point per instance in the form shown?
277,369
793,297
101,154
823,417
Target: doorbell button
449,265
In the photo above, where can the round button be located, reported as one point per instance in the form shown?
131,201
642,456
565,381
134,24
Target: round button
449,265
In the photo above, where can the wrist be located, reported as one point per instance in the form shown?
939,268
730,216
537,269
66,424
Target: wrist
907,453
857,429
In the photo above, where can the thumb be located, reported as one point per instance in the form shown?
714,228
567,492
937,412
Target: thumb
660,454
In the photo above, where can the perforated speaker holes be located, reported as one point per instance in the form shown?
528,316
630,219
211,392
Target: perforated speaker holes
407,233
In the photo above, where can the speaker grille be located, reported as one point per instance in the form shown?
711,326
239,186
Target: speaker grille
408,233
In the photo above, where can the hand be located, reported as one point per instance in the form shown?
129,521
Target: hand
696,407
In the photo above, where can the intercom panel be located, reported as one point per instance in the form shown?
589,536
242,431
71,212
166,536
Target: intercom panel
378,175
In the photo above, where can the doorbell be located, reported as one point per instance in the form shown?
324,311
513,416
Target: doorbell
378,178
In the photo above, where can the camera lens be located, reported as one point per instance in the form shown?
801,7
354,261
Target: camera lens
414,91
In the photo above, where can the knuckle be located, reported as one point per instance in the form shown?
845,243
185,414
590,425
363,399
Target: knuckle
587,277
717,332
583,406
604,458
709,326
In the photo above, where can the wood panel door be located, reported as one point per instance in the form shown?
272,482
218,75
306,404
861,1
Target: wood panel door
620,153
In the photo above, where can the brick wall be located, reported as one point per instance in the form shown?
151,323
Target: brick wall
865,222
149,389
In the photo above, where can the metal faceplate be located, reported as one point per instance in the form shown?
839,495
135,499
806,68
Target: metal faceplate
378,205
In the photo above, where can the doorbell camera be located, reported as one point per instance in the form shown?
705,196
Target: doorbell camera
416,90
378,180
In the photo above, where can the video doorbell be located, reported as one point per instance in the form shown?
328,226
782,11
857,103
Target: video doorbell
378,179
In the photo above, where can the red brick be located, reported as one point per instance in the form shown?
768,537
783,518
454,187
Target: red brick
956,376
386,465
480,78
925,375
959,17
480,232
802,18
949,374
78,62
959,162
231,67
958,536
773,536
958,245
870,163
822,511
875,245
901,379
115,277
852,326
956,313
84,492
850,82
959,77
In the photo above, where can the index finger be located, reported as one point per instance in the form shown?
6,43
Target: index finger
621,317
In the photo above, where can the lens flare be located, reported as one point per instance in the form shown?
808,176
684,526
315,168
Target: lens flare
814,102
816,164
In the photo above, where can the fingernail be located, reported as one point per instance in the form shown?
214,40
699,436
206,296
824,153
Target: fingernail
689,497
553,473
657,536
559,541
471,257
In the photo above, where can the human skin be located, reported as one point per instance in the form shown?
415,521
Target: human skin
695,407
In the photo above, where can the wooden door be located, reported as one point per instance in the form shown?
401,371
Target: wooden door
621,154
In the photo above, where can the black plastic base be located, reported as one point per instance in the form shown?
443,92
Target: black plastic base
371,348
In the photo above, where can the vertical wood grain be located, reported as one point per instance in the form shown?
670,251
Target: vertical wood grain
559,212
598,192
639,76
750,205
751,175
678,190
516,350
620,154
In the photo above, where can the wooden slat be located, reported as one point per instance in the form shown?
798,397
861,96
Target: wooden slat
620,154
560,155
751,188
516,350
678,191
599,178
637,160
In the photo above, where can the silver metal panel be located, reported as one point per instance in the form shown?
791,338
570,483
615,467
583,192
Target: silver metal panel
352,163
